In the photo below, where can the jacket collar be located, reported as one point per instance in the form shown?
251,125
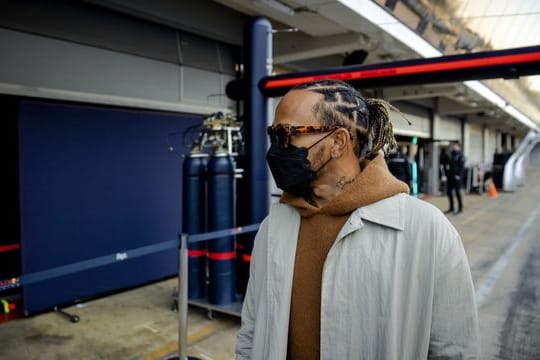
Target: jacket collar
387,212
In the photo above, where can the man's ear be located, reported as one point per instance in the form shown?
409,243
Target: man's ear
341,139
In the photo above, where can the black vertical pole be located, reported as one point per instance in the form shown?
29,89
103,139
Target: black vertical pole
254,201
257,66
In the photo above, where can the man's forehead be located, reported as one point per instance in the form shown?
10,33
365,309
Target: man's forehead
296,108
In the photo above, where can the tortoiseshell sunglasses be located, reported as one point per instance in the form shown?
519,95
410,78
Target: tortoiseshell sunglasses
281,134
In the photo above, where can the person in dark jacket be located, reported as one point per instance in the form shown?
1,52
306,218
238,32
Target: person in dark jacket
444,164
399,166
456,167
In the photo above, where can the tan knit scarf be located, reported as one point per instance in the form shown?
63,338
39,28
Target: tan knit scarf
318,230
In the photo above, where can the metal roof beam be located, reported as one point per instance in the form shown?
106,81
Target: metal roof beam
291,48
418,92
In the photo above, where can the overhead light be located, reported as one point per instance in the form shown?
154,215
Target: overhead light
512,111
486,92
500,102
287,30
374,13
274,5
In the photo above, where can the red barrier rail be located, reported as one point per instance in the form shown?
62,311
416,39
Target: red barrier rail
508,63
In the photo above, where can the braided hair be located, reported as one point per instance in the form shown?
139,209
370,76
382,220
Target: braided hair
367,120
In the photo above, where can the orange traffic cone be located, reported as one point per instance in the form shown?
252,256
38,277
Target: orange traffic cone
492,190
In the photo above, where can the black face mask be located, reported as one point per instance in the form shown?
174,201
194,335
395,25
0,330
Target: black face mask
291,168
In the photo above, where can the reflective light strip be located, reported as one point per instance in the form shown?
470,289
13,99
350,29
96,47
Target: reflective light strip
58,271
197,253
11,247
408,69
222,256
52,273
222,233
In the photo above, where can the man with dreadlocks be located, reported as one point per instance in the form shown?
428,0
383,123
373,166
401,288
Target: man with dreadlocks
348,265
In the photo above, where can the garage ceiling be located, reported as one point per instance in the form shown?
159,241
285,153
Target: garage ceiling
327,31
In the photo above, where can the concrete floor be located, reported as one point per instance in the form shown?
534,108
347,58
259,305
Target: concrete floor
501,237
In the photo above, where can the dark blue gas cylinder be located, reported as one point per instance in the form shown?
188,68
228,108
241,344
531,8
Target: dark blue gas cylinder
221,210
194,219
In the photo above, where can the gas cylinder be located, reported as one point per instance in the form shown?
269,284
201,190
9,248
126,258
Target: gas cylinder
194,219
221,251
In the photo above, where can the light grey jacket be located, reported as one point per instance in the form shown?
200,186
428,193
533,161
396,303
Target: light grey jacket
396,285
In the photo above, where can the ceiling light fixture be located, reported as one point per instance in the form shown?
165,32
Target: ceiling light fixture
377,15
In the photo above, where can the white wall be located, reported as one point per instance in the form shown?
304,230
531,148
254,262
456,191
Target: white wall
474,147
419,118
491,146
38,66
449,128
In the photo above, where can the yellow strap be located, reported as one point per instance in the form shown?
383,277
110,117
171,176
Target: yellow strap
6,305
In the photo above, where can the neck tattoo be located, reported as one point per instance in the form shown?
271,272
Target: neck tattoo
344,181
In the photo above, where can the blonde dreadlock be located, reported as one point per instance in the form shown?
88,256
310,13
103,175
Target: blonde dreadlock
380,131
367,120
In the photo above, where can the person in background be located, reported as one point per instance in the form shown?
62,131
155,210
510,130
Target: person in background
348,265
456,167
399,166
444,163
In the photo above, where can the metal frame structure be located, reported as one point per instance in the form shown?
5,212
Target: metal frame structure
511,63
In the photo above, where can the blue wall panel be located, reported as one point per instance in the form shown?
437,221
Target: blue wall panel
95,181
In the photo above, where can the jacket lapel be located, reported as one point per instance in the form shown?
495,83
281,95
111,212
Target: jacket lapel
283,237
